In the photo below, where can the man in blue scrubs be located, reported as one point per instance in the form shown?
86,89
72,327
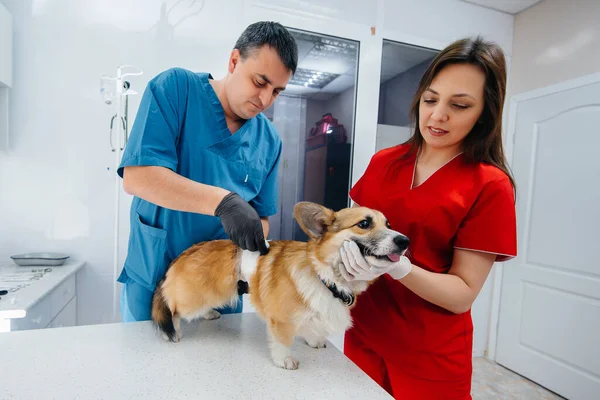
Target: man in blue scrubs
201,161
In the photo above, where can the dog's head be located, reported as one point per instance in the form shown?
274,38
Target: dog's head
377,241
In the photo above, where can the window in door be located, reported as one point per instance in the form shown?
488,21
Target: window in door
315,118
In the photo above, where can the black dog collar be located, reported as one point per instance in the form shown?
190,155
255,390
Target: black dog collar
346,298
242,288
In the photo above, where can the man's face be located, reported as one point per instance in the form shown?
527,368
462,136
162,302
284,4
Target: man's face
255,83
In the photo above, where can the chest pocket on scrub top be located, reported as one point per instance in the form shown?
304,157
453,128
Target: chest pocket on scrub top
251,181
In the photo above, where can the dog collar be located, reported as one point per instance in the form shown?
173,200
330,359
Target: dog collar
346,298
242,287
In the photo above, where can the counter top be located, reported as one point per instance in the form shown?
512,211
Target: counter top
227,358
16,304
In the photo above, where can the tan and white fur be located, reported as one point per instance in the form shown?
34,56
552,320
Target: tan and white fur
286,286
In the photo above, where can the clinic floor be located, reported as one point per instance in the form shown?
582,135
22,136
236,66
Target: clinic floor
492,381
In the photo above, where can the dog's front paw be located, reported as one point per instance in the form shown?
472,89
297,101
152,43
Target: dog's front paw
316,343
212,314
288,362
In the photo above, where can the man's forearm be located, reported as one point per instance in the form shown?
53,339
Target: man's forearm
265,224
167,189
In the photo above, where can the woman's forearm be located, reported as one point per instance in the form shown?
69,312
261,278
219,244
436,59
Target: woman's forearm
445,290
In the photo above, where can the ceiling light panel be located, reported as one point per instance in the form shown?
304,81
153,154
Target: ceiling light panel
312,78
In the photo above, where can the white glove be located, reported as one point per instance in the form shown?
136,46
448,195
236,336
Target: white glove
354,267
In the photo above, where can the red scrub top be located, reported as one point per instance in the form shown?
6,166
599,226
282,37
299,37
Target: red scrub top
413,348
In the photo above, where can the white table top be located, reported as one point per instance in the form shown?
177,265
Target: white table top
16,304
227,358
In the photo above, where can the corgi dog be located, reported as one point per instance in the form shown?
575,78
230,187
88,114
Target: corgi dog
296,287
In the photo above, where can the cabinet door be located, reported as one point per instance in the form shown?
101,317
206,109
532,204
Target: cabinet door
67,317
38,317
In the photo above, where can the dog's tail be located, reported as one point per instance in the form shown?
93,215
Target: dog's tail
162,315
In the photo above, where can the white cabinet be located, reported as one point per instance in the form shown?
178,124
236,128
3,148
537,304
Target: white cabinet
6,71
67,316
57,308
47,302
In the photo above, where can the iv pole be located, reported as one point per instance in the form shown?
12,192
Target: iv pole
122,91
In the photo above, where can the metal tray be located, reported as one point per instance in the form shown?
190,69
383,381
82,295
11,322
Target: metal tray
53,259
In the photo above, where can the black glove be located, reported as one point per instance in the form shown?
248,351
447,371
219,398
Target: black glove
241,223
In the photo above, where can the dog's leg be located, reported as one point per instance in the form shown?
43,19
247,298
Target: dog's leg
281,336
211,314
177,325
315,342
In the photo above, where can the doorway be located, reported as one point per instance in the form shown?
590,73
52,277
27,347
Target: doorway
549,321
315,119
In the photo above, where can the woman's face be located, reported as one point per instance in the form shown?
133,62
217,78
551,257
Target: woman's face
451,105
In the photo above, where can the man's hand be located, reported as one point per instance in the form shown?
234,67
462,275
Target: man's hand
242,223
354,267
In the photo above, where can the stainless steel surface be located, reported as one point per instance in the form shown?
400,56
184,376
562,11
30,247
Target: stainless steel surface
49,259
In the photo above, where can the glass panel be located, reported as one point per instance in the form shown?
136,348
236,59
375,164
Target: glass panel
402,66
315,118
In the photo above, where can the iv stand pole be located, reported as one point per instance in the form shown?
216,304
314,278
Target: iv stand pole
122,91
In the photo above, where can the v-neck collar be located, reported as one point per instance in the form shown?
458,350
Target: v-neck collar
412,182
224,137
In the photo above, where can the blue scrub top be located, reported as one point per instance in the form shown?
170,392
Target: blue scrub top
181,125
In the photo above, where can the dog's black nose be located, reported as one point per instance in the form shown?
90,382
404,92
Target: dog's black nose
402,242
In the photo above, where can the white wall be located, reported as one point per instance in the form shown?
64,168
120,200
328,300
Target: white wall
6,50
342,108
56,179
554,41
397,95
5,47
391,135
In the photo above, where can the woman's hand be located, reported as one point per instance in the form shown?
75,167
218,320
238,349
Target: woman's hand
455,291
354,267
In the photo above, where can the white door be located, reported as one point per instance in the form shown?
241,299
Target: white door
549,327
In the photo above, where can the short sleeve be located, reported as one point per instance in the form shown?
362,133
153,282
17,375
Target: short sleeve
490,225
358,190
363,190
265,203
155,131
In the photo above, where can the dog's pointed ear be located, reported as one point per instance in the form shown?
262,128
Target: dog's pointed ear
313,218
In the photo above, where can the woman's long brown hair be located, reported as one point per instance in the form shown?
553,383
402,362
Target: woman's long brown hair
484,142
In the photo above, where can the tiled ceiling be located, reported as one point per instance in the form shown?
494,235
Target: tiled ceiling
326,65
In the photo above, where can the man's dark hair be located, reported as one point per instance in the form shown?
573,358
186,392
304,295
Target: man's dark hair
272,34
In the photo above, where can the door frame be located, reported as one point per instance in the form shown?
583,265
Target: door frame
511,134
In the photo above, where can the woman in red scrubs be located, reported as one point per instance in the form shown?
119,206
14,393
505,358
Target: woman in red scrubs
449,190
